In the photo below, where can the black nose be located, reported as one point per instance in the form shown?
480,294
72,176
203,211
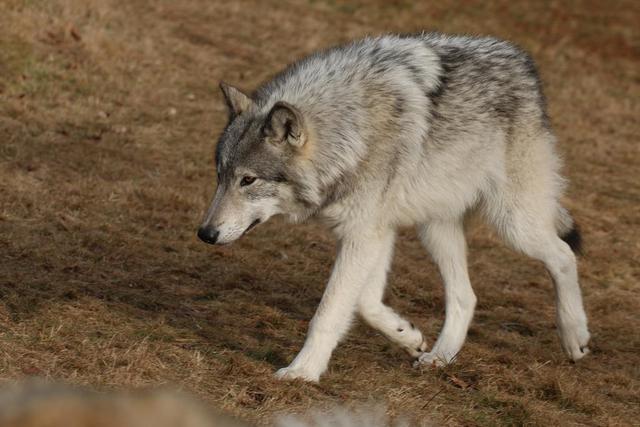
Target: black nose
208,234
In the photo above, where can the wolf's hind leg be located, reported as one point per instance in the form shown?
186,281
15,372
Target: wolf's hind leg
446,243
533,232
383,317
524,208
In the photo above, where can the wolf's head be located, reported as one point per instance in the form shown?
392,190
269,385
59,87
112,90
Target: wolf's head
258,165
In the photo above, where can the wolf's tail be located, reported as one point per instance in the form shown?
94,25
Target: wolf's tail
568,230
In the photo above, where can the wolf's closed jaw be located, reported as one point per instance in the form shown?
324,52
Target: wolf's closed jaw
208,234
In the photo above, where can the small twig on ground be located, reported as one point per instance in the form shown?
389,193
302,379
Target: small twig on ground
433,397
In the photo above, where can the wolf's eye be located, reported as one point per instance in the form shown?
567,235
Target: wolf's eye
247,180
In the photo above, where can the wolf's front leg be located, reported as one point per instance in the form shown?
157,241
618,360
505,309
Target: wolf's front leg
357,255
446,242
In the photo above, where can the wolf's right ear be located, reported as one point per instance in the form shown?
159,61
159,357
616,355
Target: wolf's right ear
237,102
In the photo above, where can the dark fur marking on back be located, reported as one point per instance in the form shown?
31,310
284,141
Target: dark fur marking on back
450,60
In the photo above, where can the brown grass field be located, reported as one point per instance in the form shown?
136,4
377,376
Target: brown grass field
109,112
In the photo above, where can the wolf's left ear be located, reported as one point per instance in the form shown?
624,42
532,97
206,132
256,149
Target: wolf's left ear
285,124
235,99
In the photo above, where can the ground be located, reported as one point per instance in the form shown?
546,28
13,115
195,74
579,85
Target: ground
109,111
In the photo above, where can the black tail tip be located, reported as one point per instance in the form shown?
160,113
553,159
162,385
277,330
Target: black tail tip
574,239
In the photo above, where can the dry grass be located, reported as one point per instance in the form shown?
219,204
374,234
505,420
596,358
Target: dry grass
108,116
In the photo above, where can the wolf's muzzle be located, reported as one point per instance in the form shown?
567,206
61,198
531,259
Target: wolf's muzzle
208,234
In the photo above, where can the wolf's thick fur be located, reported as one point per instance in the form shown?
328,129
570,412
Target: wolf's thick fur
398,131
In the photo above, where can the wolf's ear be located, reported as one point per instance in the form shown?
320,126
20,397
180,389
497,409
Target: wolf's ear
235,99
285,124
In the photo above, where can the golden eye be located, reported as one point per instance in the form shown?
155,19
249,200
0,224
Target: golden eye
247,180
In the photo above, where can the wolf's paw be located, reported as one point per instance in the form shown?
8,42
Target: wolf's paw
418,347
574,341
431,359
292,373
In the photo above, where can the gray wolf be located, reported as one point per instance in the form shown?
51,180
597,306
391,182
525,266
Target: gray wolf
397,131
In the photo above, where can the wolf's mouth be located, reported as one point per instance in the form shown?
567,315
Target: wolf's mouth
253,224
